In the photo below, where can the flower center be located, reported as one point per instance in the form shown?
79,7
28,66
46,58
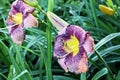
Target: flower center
17,18
72,45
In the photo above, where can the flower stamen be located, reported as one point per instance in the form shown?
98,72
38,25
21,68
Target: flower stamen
17,18
72,45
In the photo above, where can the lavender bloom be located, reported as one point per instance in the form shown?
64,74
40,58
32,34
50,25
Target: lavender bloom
72,45
20,16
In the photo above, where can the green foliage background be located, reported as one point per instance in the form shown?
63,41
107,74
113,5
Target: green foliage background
29,60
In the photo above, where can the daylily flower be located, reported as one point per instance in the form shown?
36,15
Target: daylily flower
72,45
20,16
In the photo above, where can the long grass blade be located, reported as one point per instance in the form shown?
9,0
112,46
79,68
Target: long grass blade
99,74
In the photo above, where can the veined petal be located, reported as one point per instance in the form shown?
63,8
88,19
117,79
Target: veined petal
89,44
13,10
76,31
9,22
62,64
56,21
59,52
83,64
30,21
28,9
17,34
77,64
20,6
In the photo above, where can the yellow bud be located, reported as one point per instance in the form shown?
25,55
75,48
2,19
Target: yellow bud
106,10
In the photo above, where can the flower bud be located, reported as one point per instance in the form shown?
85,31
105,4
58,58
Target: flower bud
56,21
106,10
31,2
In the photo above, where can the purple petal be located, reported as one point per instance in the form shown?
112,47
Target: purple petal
76,31
30,21
20,6
13,11
17,34
78,63
9,22
89,44
62,64
58,47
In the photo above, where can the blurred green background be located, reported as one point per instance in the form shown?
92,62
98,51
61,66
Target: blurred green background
27,61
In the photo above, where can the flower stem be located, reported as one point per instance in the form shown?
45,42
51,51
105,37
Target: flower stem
49,44
3,76
40,9
49,56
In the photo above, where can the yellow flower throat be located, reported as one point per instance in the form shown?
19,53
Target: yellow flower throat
72,45
17,18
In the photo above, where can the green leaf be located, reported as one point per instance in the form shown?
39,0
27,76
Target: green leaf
106,39
106,51
21,74
56,77
99,74
11,73
83,76
4,53
3,76
118,76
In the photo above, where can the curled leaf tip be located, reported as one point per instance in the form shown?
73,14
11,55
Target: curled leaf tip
56,21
